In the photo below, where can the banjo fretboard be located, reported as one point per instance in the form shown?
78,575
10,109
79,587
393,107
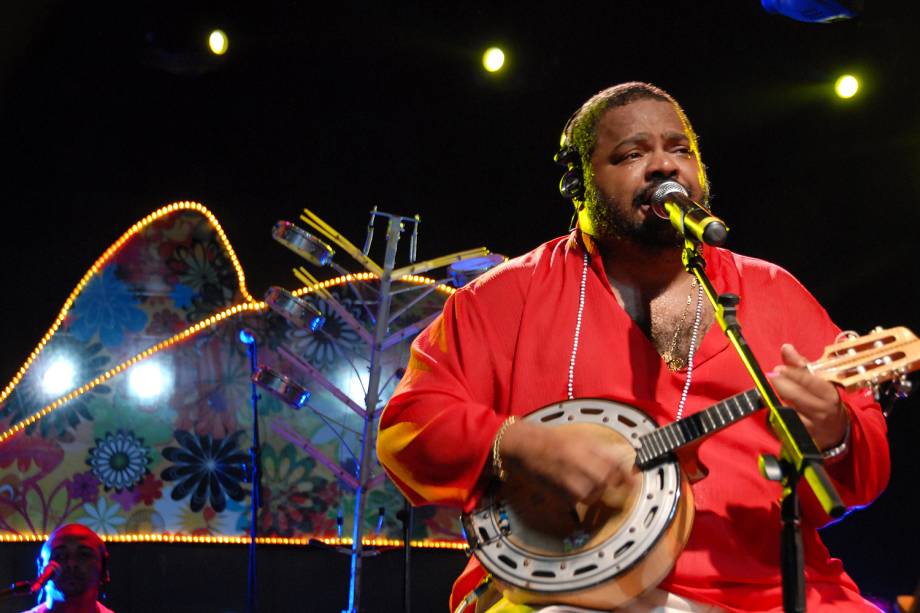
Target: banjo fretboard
659,444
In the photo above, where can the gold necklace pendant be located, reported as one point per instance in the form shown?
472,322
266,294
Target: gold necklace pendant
672,360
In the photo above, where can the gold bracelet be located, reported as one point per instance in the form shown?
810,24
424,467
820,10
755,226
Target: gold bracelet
497,467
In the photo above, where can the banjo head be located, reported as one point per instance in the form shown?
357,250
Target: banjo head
529,539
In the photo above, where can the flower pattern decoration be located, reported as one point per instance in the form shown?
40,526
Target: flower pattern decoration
182,296
165,323
11,495
29,396
208,470
206,269
217,374
102,517
181,519
322,348
34,457
294,495
119,460
180,274
141,262
272,331
150,490
106,306
127,499
84,486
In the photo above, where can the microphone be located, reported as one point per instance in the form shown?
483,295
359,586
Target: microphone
691,219
51,571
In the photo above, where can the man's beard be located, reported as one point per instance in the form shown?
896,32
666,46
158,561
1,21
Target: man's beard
72,585
609,222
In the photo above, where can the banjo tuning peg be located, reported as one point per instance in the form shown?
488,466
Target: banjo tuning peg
903,387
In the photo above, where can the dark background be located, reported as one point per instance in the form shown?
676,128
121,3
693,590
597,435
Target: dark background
108,112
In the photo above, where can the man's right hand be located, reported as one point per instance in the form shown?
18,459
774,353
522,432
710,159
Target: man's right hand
575,461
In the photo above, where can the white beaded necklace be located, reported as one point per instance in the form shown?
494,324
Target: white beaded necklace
691,353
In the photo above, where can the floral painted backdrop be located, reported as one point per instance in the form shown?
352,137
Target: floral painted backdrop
163,447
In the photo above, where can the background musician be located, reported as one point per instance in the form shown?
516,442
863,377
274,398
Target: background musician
84,561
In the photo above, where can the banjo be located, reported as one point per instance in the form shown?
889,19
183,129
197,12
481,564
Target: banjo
540,550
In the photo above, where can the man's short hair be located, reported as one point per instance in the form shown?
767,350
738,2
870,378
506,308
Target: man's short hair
581,130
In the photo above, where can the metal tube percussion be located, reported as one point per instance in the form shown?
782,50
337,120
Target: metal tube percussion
281,387
303,243
296,311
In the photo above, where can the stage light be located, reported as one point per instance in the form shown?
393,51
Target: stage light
218,42
493,59
354,386
148,381
846,86
59,377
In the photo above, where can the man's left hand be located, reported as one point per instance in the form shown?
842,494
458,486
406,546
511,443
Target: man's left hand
815,400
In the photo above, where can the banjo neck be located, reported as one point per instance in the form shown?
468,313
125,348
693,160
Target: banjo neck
658,445
851,363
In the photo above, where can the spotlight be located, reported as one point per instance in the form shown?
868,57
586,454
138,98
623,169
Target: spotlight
296,311
148,380
59,377
218,42
493,59
281,387
302,243
846,86
352,384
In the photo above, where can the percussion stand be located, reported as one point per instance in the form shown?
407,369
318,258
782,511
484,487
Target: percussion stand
317,253
405,516
799,456
255,473
395,227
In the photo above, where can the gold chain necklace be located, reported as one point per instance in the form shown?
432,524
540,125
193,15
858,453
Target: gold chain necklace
670,356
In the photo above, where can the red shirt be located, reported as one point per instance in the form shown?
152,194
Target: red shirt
502,347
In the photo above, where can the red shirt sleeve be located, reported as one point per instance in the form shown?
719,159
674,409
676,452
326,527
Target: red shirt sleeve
436,432
862,474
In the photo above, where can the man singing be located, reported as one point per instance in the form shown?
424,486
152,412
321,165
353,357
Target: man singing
83,561
610,312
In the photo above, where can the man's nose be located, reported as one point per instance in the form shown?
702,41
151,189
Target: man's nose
661,165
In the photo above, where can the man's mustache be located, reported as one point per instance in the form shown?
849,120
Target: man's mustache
644,195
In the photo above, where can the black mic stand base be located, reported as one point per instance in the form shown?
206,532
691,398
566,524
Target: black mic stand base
792,555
